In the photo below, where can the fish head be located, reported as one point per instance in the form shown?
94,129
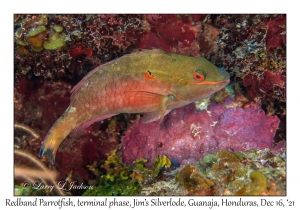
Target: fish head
200,79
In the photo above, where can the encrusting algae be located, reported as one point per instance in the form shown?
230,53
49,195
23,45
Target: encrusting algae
190,178
122,179
226,173
230,170
42,37
212,175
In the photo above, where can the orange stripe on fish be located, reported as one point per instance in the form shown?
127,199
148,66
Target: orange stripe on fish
208,82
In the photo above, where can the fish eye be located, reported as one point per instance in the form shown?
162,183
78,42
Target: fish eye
199,75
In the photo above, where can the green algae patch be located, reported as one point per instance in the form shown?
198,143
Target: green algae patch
55,42
27,190
21,43
245,173
159,163
190,178
231,173
122,179
254,184
116,180
57,28
42,20
259,183
36,49
207,162
36,31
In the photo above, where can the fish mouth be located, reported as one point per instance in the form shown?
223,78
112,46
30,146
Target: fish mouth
224,81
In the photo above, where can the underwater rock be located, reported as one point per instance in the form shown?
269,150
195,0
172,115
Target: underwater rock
181,34
251,172
188,134
166,31
49,42
253,51
191,179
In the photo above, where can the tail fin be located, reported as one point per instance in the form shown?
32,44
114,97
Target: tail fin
61,128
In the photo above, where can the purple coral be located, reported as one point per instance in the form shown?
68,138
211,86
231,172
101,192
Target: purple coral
188,134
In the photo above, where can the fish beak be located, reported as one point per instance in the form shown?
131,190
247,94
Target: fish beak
225,81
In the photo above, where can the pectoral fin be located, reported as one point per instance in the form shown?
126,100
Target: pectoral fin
155,98
154,116
159,114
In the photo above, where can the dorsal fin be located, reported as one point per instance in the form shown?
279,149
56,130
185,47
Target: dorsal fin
82,81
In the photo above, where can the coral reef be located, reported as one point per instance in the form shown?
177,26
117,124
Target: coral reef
53,52
230,169
117,180
253,50
188,134
181,34
252,172
190,178
47,45
123,179
164,34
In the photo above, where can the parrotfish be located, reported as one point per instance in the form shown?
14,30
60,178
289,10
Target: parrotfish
151,82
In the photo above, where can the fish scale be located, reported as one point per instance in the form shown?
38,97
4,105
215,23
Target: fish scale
151,82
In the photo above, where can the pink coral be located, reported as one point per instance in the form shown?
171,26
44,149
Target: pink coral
188,134
266,86
276,35
167,31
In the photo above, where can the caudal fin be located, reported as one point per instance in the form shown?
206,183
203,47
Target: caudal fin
48,152
62,127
